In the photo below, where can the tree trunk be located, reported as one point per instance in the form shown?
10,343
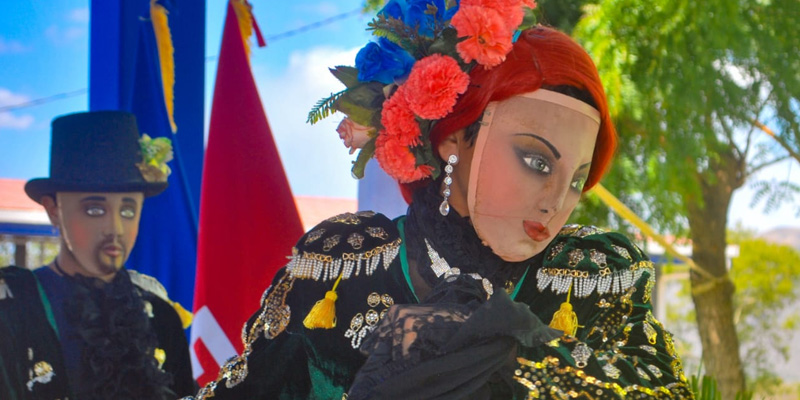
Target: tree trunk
714,301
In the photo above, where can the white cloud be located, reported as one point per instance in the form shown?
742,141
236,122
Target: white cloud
79,15
11,46
315,160
61,36
8,98
9,120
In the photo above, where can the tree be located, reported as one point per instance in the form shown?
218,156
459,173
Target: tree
688,80
767,277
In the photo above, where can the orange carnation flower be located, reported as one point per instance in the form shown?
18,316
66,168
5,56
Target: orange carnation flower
398,120
488,37
397,160
511,10
433,86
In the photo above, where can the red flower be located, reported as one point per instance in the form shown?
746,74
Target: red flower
511,10
398,120
434,85
397,160
488,37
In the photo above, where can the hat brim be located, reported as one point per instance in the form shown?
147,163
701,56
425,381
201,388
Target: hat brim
39,187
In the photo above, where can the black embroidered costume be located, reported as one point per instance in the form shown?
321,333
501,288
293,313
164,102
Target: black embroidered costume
454,343
81,338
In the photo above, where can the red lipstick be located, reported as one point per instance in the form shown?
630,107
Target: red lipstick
536,231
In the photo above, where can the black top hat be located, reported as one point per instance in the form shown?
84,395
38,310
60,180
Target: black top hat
94,152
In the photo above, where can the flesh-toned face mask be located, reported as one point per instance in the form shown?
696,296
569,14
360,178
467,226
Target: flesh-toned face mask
531,159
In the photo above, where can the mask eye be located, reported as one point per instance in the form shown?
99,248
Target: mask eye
127,213
95,211
578,183
537,163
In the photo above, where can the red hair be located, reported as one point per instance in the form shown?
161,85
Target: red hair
541,56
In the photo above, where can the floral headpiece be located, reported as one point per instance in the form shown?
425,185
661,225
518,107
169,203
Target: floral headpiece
156,153
412,75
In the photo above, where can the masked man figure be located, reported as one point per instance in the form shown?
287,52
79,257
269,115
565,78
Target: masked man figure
84,327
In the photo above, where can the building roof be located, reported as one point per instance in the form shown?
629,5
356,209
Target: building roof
18,213
22,216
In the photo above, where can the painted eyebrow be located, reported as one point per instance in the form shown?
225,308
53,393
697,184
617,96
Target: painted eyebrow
588,164
129,200
546,143
93,198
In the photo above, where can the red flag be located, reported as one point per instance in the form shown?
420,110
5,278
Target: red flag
248,218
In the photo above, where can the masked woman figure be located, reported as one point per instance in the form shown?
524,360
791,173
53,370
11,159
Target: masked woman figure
494,129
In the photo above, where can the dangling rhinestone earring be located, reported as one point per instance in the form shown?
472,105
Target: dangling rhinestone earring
444,208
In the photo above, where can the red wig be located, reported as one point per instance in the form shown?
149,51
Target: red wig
540,57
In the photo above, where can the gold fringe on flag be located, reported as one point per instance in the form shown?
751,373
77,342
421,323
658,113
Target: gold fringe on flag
247,24
245,17
158,15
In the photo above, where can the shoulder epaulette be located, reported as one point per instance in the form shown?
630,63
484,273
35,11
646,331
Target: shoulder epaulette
347,245
150,284
588,259
153,286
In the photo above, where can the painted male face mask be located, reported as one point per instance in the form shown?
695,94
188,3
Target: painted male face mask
531,159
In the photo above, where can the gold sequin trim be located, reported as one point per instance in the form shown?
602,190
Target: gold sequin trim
313,236
272,320
324,267
377,232
547,376
362,324
604,281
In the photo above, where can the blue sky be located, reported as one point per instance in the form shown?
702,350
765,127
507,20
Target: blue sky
44,51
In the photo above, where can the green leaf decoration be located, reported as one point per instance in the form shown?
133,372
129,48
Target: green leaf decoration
445,44
364,155
346,74
361,103
528,20
323,108
387,34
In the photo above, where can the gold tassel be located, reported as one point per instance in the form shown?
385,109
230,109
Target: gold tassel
161,357
158,14
323,314
185,316
565,319
245,18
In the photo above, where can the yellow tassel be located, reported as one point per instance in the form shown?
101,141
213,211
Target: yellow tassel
185,316
158,14
245,18
323,314
161,356
565,319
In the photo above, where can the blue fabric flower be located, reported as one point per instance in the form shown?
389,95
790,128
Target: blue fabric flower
395,9
383,62
413,13
416,15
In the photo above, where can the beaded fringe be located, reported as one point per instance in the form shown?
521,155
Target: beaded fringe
561,279
324,267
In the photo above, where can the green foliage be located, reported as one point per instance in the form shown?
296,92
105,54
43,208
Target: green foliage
362,103
323,108
705,388
372,6
685,80
766,277
363,157
346,74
